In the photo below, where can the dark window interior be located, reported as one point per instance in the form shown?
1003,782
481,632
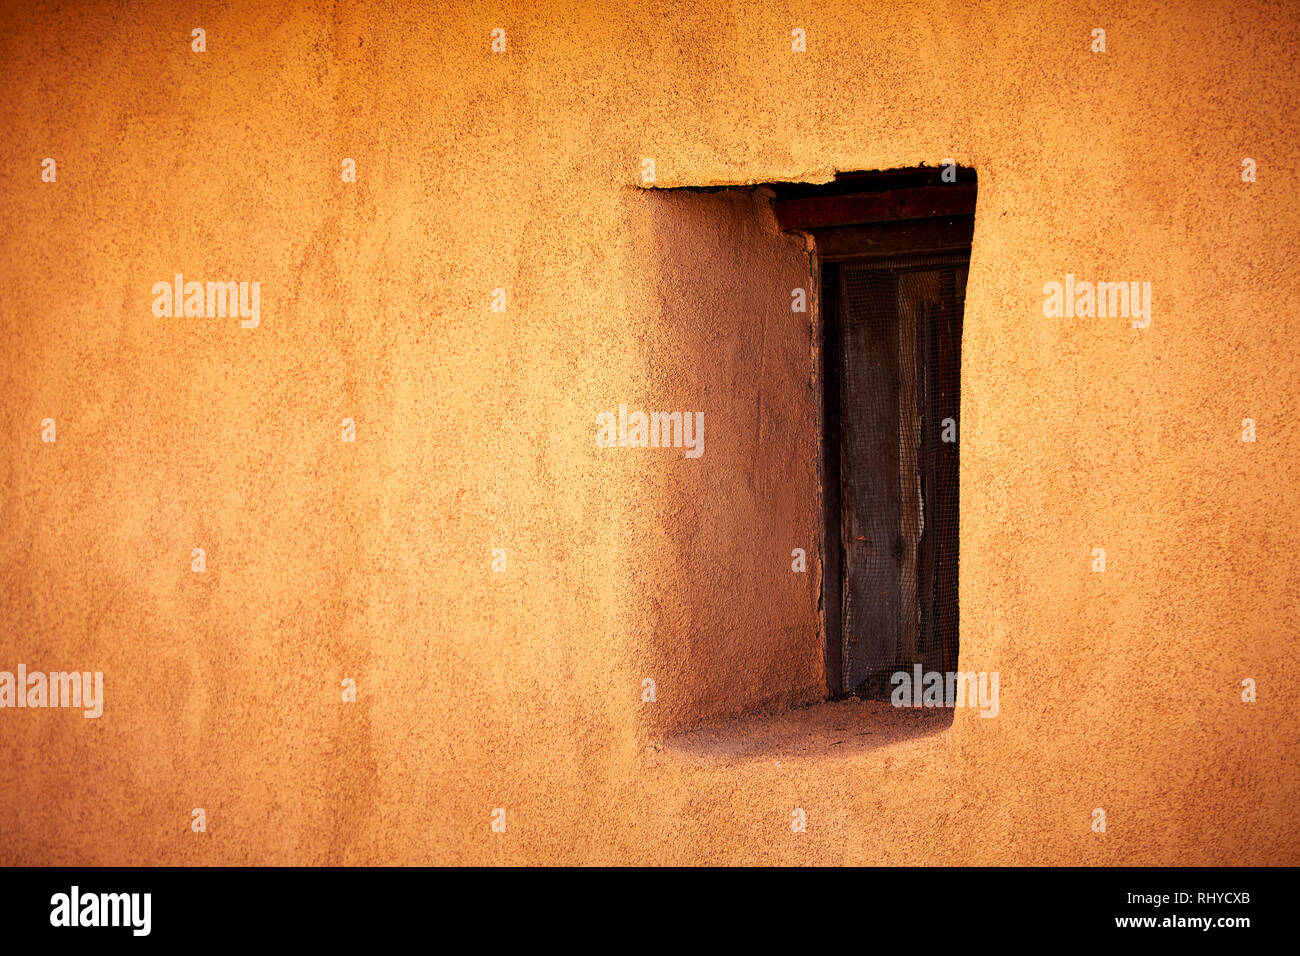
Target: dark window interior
893,250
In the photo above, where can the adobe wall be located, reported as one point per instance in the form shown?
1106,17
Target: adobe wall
475,431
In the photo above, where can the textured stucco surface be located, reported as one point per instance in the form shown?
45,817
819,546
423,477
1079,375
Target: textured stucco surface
522,689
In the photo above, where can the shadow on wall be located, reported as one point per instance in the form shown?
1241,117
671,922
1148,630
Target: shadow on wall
731,627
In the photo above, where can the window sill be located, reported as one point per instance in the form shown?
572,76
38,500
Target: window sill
832,729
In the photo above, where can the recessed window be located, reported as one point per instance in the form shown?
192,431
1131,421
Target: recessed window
893,251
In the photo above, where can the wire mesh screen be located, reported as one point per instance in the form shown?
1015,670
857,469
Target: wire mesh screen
900,354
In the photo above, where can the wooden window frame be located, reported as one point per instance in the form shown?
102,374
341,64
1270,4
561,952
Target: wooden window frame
877,218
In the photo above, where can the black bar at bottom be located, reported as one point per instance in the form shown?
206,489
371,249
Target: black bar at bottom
372,906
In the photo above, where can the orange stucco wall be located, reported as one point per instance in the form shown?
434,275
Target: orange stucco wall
521,689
